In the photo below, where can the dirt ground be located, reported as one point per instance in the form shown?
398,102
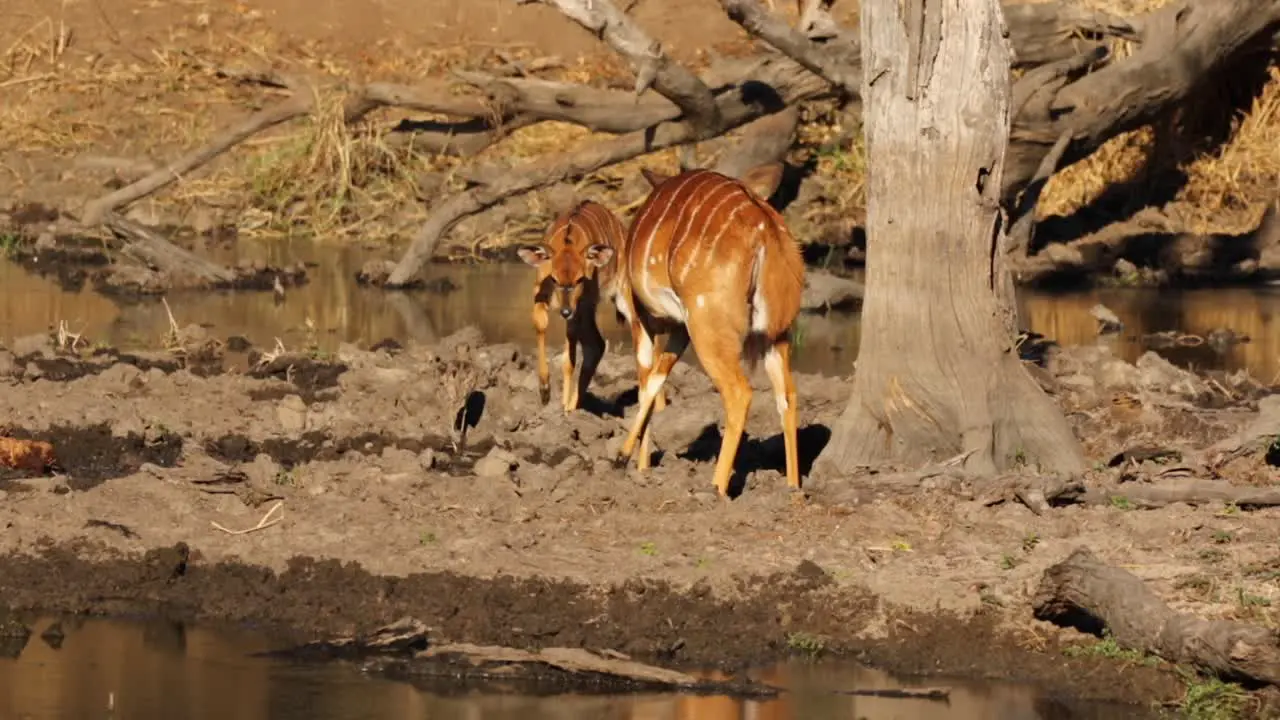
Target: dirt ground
529,537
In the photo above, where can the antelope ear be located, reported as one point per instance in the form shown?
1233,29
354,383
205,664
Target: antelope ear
599,255
763,179
653,177
533,254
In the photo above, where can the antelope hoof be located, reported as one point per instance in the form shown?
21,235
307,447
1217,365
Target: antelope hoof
544,393
620,462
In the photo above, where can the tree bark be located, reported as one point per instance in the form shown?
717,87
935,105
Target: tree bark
937,374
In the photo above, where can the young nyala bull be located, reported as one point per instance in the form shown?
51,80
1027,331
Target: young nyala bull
577,264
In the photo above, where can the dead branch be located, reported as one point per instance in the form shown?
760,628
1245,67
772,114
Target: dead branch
263,524
926,693
824,291
434,96
651,65
839,63
762,141
609,111
157,252
579,661
816,22
778,82
1083,592
1190,491
300,102
455,139
1071,29
1181,43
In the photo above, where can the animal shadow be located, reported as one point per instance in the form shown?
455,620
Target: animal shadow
755,454
616,407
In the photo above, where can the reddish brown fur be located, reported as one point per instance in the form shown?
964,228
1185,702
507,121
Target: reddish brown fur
710,262
577,264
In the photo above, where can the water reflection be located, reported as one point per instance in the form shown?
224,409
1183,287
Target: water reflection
496,299
155,670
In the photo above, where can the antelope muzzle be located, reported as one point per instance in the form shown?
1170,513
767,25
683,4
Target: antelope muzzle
567,301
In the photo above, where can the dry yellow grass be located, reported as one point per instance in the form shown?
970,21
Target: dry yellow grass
320,177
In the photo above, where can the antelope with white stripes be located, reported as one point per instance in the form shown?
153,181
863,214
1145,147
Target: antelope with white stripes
708,260
577,263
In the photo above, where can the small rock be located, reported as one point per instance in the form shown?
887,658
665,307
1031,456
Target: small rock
613,445
427,459
32,345
46,241
292,414
1124,268
1118,374
1078,381
496,464
1108,321
238,343
124,376
571,464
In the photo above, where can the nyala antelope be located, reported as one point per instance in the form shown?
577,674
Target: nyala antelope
577,268
708,260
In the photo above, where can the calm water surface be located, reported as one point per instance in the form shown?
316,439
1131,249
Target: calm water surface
496,298
155,670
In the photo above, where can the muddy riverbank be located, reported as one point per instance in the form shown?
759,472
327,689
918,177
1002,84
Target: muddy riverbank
346,464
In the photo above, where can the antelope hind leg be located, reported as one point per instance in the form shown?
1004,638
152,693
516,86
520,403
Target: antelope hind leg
777,363
719,348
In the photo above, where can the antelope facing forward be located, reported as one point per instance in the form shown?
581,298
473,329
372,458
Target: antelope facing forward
709,260
576,270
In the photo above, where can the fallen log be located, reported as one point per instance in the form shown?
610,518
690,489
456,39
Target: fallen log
1083,592
157,252
570,668
403,649
1150,496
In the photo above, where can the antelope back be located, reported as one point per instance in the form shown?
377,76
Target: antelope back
704,239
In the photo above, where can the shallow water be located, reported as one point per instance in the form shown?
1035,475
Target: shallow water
496,298
157,670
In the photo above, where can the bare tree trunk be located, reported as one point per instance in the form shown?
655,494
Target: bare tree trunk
937,375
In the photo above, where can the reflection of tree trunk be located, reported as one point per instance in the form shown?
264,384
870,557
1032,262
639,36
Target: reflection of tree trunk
936,372
418,327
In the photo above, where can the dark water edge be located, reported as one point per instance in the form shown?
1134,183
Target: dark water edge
149,669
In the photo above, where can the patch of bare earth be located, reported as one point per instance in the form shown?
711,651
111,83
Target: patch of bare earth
524,534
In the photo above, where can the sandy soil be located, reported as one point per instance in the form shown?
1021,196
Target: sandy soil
530,537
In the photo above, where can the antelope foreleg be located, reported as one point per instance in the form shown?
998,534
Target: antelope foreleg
540,320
